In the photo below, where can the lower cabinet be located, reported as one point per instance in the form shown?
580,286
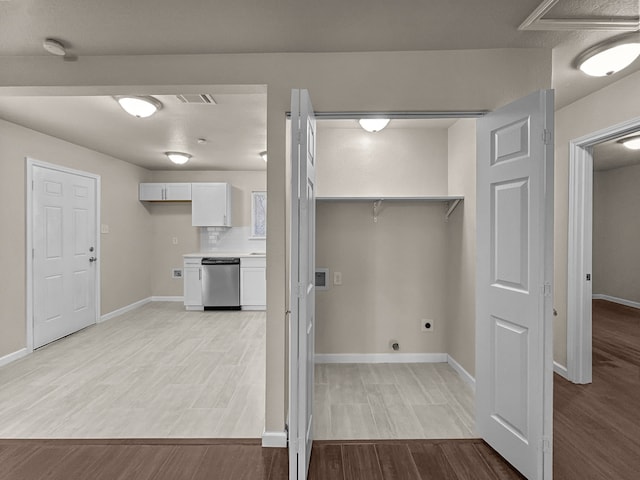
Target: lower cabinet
253,283
193,284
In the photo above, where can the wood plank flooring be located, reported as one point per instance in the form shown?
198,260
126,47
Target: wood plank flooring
246,459
597,426
155,372
391,401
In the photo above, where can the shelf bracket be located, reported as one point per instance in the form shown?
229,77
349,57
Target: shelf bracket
452,206
376,207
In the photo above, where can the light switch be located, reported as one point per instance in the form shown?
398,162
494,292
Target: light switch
104,228
174,240
337,278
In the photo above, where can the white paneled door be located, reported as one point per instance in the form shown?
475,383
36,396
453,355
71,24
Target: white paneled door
514,364
64,253
302,287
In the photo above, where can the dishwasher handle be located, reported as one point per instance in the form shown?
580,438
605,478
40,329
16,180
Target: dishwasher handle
220,261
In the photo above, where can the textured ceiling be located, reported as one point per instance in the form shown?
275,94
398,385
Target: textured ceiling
126,27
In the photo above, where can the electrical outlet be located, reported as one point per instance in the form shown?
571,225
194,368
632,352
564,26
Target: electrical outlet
174,240
337,278
176,273
426,325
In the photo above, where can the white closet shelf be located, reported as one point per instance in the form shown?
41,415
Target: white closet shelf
451,200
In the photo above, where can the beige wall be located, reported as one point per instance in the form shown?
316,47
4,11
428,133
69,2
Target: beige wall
173,219
461,245
393,162
616,233
374,81
392,274
612,105
124,256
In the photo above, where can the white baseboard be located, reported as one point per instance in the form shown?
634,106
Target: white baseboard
466,376
621,301
274,439
561,370
123,310
12,357
156,298
381,358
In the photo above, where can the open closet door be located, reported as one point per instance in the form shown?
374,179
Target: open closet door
302,286
514,363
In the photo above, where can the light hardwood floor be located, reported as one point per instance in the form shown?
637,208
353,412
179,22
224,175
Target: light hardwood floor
157,371
391,401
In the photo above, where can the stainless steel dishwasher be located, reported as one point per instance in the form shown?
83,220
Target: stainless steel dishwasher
221,283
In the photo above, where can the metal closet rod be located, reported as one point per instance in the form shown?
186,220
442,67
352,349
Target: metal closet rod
399,115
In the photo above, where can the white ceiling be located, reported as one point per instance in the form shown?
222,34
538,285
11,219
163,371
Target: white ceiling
611,154
236,127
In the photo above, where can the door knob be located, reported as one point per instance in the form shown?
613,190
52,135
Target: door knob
92,259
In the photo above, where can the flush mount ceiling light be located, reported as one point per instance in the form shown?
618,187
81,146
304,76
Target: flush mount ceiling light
632,143
54,47
610,56
373,124
263,155
179,158
139,106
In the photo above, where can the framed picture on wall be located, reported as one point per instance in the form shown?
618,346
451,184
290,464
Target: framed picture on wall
258,214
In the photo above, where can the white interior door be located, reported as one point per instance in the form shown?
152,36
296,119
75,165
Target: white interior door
302,288
514,363
64,253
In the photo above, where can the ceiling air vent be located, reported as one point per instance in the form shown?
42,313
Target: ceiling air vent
198,98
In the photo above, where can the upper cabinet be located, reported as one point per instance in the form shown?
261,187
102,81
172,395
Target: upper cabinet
165,192
211,204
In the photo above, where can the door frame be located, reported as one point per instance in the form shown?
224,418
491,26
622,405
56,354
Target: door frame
30,163
580,247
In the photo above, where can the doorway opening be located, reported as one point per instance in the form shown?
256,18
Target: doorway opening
581,244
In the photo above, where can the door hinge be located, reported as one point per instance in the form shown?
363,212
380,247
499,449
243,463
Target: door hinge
588,277
546,289
546,137
299,137
301,289
546,444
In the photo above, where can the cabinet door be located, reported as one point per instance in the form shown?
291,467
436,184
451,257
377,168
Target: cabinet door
192,286
253,287
177,191
151,191
211,206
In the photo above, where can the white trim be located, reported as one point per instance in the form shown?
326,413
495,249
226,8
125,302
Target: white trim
561,370
274,439
29,164
466,376
621,301
381,358
12,357
160,298
125,309
579,252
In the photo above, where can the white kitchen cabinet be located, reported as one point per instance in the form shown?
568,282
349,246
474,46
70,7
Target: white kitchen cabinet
253,283
193,284
165,192
211,204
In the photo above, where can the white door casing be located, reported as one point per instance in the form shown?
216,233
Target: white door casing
514,362
302,288
63,237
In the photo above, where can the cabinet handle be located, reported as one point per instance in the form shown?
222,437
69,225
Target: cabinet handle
199,274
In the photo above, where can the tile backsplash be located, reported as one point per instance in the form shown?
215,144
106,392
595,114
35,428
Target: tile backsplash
234,240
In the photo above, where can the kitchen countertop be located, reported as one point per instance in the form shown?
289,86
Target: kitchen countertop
225,255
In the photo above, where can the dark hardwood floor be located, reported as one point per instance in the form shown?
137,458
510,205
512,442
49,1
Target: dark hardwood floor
596,437
597,426
246,459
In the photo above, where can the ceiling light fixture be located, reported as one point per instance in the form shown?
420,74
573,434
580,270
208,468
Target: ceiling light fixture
632,143
179,158
610,56
373,124
263,155
139,106
54,47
